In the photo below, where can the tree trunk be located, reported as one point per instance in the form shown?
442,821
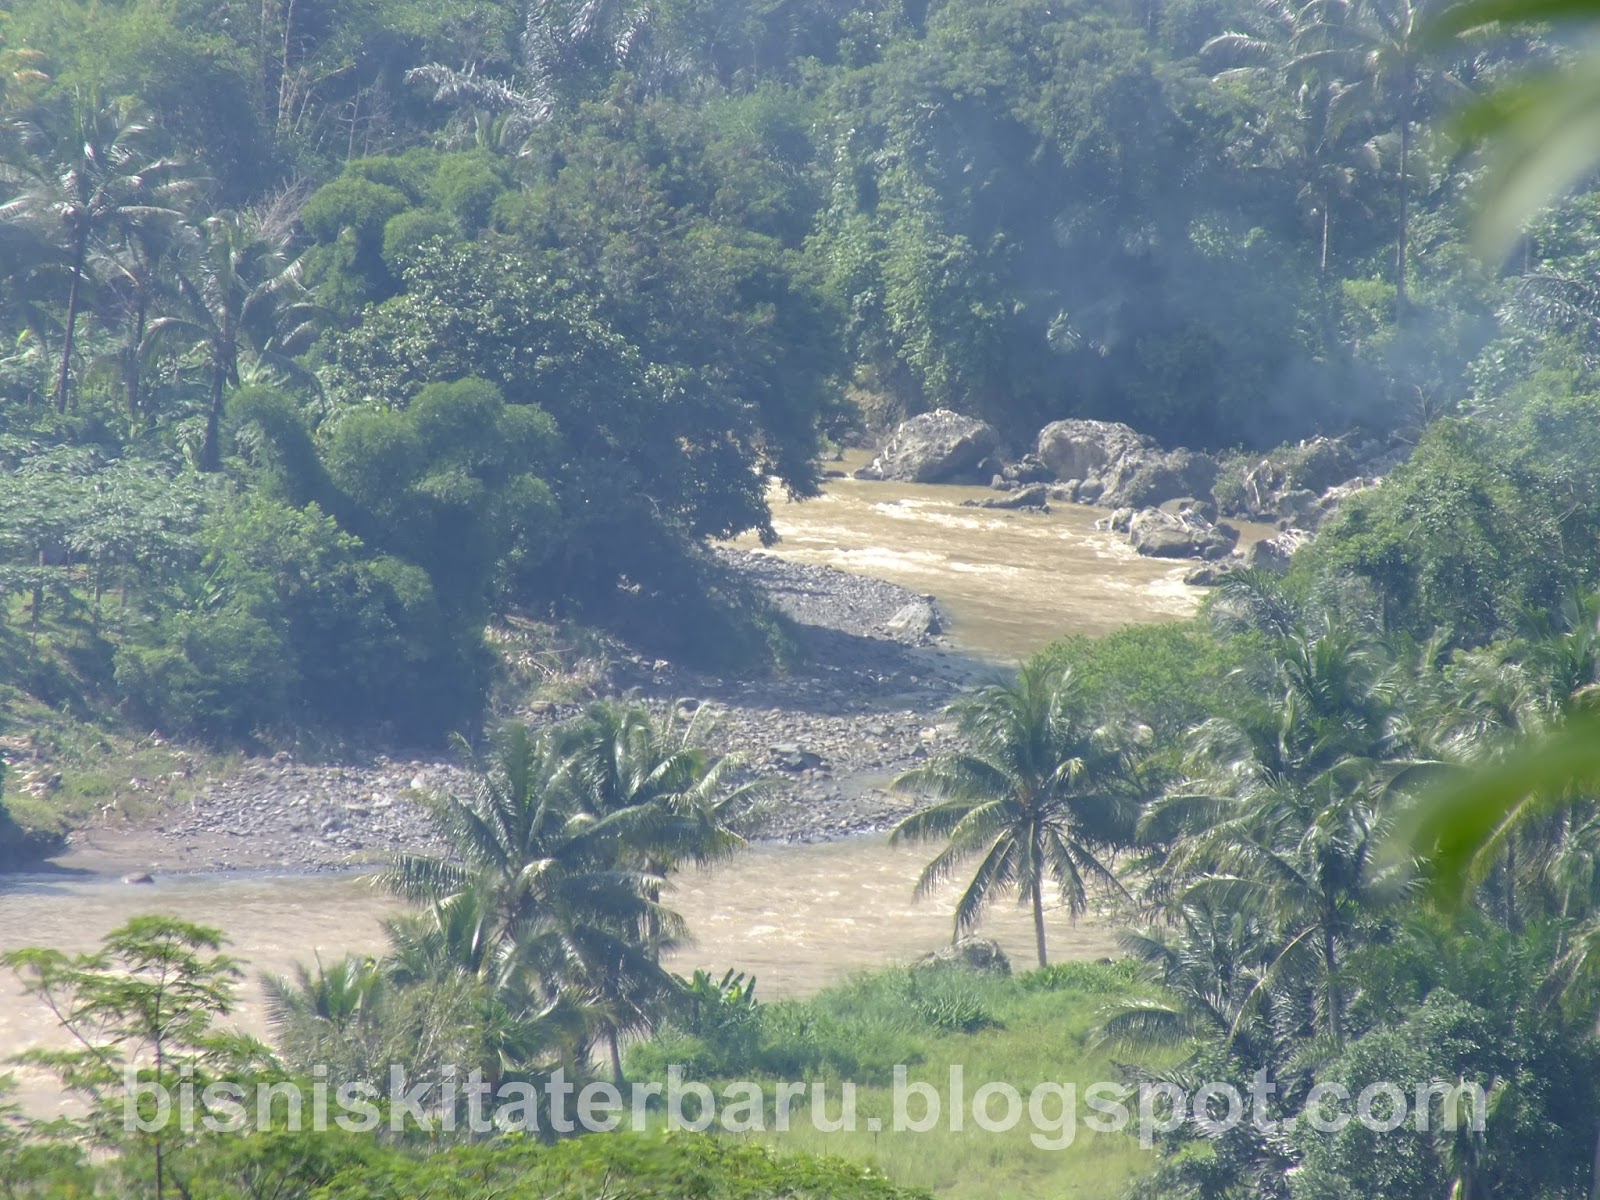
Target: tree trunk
1331,966
1511,887
1594,1170
73,295
1323,268
1405,216
211,452
1036,895
38,593
616,1056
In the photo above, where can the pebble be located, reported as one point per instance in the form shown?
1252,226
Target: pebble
831,735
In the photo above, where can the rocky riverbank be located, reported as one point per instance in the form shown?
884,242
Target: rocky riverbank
867,704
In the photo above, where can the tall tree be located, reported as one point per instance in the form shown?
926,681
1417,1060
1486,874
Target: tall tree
655,789
242,292
105,182
550,899
1040,795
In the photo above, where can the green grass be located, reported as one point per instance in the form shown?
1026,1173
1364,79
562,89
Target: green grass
1028,1029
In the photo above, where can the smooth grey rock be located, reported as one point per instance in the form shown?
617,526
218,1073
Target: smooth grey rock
916,620
1166,535
1079,449
936,447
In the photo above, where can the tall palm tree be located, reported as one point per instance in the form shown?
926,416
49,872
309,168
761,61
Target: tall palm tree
1307,136
651,785
106,183
134,276
1040,794
242,292
1209,964
1394,72
540,893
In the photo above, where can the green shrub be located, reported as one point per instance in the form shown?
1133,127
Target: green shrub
217,675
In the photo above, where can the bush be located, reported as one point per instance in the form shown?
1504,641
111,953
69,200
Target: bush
680,1167
218,675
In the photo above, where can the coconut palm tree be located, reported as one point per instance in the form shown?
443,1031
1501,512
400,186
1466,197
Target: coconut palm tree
134,279
530,890
1041,794
1209,965
1307,136
1394,74
242,292
651,785
107,182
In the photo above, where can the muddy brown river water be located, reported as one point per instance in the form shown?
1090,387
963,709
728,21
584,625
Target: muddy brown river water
1010,582
796,916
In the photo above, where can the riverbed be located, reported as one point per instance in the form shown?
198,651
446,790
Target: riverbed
797,916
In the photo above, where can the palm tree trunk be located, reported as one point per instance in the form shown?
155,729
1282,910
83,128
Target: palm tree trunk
1330,965
211,452
1323,268
73,294
131,370
1511,887
615,1047
1036,895
1405,215
1594,1170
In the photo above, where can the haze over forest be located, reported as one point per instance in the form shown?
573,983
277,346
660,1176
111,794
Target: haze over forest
373,371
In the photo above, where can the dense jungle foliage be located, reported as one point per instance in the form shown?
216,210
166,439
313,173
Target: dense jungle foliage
336,334
332,333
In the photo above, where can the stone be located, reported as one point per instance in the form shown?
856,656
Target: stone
1207,574
1186,506
139,877
1080,449
1149,477
1027,469
791,757
917,620
1313,466
1273,554
1165,535
936,447
1034,496
972,953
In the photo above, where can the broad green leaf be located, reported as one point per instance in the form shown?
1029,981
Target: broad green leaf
1452,826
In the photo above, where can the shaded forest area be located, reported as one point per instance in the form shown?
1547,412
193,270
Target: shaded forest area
333,332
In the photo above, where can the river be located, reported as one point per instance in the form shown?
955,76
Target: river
798,917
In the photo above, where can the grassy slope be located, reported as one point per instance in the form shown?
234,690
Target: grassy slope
860,1030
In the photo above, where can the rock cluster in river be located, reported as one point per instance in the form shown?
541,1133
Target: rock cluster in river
1167,501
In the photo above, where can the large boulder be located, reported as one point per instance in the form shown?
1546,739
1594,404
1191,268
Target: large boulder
1151,477
1084,449
1287,481
1273,554
1114,465
973,953
1173,535
916,621
936,447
